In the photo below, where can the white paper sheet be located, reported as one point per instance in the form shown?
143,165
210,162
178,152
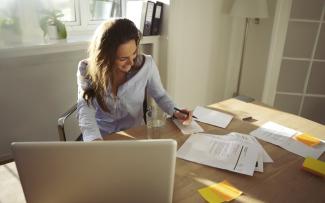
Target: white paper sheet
282,136
303,150
212,117
194,127
216,152
273,133
259,165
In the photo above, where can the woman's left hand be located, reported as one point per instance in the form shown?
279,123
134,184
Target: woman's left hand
186,119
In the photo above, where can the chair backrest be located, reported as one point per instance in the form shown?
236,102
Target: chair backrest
68,127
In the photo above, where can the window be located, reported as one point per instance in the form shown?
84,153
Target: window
8,15
68,8
9,23
23,17
101,10
83,14
8,8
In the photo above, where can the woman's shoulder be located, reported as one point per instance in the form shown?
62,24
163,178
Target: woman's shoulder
83,66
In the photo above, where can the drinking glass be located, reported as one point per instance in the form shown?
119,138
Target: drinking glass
156,119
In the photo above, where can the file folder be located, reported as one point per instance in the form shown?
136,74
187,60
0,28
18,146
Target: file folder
148,18
156,21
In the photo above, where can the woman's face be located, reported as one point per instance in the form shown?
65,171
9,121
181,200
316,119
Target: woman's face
126,54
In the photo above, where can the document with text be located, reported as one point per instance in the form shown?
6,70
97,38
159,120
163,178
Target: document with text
218,152
262,156
250,139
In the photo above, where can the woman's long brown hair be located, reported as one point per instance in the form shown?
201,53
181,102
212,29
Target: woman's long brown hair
102,54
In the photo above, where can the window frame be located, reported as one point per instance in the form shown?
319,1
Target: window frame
83,16
77,22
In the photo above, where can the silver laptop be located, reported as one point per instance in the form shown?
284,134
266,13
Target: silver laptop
98,172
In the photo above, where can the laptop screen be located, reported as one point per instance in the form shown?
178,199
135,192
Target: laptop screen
104,171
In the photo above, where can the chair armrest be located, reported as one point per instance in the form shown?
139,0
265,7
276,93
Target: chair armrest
61,121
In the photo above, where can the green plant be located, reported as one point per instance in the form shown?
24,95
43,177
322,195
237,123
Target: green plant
8,21
51,17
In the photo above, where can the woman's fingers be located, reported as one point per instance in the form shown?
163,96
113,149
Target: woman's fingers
186,117
188,120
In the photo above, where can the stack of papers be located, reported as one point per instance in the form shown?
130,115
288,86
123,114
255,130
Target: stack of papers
234,152
282,136
263,156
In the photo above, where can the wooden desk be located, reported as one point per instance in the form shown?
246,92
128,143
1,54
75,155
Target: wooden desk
281,181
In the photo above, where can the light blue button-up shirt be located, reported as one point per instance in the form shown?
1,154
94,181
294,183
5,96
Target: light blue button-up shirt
126,109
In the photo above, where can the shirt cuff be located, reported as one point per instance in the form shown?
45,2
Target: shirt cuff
88,135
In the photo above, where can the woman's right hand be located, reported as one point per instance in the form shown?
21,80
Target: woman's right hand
186,119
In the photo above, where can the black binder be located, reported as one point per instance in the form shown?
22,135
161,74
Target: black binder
148,18
156,20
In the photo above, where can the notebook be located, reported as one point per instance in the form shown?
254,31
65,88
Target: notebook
103,171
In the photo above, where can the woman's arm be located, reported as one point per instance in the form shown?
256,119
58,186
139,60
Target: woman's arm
156,90
86,113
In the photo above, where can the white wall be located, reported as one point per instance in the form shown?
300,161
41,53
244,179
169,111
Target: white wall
198,44
256,55
204,48
35,91
163,42
257,52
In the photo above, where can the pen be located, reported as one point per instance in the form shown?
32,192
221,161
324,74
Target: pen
184,112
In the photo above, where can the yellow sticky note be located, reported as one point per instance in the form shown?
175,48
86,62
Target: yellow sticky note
314,166
209,195
308,139
220,192
227,191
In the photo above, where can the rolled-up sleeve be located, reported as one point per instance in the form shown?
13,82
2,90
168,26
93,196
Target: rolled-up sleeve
156,90
86,113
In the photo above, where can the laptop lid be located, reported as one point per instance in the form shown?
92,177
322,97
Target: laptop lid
104,171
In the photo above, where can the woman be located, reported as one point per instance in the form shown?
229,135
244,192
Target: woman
113,82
